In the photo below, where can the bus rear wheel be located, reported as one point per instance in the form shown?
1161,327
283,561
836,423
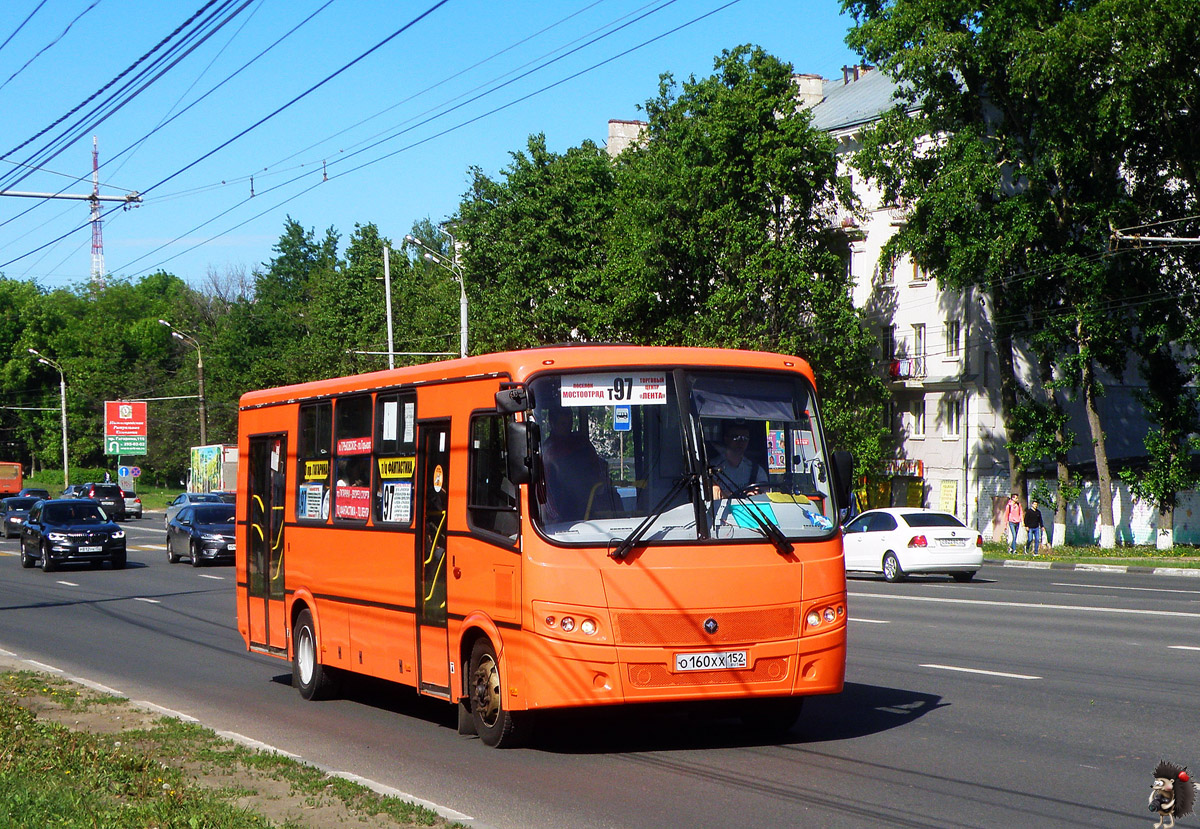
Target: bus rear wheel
312,679
496,726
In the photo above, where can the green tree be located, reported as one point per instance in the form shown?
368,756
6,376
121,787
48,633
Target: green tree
534,247
1018,163
724,236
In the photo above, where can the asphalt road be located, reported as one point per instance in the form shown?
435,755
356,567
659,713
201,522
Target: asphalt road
1024,698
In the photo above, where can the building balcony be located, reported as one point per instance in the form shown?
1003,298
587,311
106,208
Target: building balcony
901,369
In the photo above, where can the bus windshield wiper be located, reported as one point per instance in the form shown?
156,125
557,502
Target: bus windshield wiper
632,539
766,527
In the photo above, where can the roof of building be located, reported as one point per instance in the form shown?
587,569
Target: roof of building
847,105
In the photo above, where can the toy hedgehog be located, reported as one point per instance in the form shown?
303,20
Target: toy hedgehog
1172,794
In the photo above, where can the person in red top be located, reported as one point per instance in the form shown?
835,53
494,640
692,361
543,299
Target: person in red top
1013,514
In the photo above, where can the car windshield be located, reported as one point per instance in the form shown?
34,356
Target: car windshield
205,498
213,515
694,454
80,513
107,491
931,519
20,503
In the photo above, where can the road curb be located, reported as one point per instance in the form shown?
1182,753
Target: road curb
1186,572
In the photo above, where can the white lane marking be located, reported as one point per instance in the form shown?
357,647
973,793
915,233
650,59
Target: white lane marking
67,583
152,546
43,666
1029,605
207,576
981,671
96,686
167,712
870,621
1120,587
1183,647
144,599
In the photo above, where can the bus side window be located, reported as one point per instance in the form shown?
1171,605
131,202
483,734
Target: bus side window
491,496
313,462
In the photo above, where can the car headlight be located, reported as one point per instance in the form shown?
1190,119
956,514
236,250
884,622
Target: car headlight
57,538
211,537
119,534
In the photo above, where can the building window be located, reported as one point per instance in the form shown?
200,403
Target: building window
916,413
952,410
888,342
953,329
919,275
919,340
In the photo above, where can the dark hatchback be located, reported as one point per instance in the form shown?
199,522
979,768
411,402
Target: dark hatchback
110,497
70,530
12,513
203,533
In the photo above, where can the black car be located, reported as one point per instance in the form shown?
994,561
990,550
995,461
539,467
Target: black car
202,532
68,530
33,492
110,497
73,491
12,513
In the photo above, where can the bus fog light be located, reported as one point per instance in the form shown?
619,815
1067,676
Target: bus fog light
568,623
551,621
829,614
814,618
587,627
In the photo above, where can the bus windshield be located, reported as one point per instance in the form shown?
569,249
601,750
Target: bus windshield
694,455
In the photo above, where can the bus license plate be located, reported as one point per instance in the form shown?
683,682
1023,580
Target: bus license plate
91,549
717,661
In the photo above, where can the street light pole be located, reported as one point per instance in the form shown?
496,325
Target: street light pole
190,340
62,397
450,264
387,297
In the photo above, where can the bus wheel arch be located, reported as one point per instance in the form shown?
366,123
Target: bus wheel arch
496,725
312,679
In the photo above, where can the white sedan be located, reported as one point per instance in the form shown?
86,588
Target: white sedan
902,540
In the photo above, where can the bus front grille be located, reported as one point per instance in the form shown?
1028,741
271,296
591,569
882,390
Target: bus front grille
687,628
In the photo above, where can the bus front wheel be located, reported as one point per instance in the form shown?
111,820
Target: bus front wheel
309,676
496,726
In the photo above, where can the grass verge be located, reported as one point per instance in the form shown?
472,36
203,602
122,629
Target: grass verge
73,757
1183,557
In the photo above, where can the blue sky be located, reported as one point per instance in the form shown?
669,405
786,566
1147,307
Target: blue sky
389,140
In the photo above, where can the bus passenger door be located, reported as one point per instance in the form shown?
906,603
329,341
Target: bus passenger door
264,562
433,453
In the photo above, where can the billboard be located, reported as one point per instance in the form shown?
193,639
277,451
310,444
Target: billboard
124,427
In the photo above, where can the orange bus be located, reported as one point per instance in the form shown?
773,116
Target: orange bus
559,527
11,479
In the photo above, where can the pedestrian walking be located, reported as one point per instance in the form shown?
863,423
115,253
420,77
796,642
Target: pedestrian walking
1013,514
1034,527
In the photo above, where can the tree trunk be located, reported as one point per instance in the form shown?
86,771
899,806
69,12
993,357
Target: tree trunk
1165,537
1108,536
1064,476
1008,404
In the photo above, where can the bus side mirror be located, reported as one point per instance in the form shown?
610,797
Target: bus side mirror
513,398
520,460
843,476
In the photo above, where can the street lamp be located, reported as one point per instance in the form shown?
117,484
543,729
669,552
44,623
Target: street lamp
190,340
62,396
450,264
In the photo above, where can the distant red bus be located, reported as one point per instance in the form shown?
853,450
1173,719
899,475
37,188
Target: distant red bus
561,527
11,480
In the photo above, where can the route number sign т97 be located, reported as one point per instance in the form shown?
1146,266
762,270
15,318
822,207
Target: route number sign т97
632,388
